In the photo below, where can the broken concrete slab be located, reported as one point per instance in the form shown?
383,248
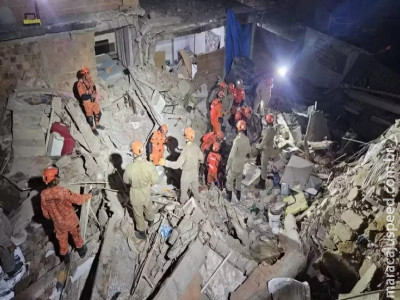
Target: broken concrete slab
352,194
365,266
342,232
365,280
225,281
82,269
189,265
317,129
297,172
353,220
251,174
80,120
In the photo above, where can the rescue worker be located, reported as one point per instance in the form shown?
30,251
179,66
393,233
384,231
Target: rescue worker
266,146
213,160
89,95
7,247
240,115
209,139
188,161
222,86
237,158
239,93
57,205
141,175
263,95
254,125
158,141
216,112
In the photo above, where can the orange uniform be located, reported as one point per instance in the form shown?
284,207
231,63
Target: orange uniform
56,203
213,160
85,87
157,141
238,96
208,140
240,115
215,114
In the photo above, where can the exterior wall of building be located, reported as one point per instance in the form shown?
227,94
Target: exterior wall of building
56,59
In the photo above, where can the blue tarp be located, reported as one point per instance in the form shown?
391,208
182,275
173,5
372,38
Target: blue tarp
238,39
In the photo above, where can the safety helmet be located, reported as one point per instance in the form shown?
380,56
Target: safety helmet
239,82
221,94
137,148
49,174
238,115
241,125
247,111
189,134
269,118
231,86
222,85
220,135
216,146
85,71
164,128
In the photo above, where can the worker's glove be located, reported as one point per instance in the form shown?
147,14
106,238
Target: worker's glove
161,162
95,191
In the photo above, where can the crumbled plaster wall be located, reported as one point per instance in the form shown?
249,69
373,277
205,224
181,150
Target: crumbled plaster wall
12,11
55,59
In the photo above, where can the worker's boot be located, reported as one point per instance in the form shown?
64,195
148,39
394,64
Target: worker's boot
100,127
95,132
238,195
229,195
65,258
261,184
82,251
141,235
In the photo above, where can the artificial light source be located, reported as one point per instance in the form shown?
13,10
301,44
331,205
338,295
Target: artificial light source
282,71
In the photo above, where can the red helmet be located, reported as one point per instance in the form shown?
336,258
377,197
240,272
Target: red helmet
241,125
85,71
231,86
247,111
221,94
220,135
49,174
137,148
164,128
222,85
238,115
269,118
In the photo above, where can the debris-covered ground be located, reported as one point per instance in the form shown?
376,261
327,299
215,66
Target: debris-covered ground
208,248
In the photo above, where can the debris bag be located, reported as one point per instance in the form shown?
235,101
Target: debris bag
288,288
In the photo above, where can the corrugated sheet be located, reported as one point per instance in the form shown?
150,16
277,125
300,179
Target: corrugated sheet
369,72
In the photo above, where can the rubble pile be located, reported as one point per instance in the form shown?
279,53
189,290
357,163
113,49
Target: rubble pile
350,230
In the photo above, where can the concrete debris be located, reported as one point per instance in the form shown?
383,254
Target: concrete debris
297,172
82,269
353,220
354,216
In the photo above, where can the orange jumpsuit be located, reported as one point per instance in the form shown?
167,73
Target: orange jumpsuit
239,115
215,114
208,140
238,96
56,203
157,150
86,86
213,160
